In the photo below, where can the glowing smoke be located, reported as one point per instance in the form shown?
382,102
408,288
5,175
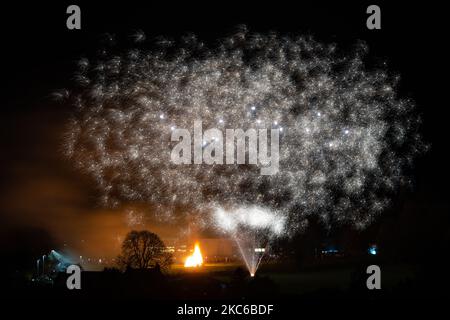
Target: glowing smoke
249,217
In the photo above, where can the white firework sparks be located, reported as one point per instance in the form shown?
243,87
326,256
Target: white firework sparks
345,136
253,218
134,218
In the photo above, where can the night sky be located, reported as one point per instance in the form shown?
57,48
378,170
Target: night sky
45,203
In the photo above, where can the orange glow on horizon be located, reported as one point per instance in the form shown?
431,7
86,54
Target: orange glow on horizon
194,260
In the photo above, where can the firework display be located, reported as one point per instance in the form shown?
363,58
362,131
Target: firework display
236,159
346,138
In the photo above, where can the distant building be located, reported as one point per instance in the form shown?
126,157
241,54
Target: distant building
217,249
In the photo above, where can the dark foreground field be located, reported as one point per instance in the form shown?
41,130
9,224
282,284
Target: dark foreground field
275,282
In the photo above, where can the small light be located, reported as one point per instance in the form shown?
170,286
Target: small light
161,116
220,121
252,275
275,123
346,131
258,121
172,128
319,114
281,129
253,108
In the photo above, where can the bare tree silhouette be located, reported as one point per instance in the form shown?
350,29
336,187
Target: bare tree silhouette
142,250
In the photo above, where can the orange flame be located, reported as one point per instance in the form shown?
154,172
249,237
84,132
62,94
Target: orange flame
194,260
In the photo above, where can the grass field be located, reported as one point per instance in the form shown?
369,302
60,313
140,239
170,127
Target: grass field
291,281
206,268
